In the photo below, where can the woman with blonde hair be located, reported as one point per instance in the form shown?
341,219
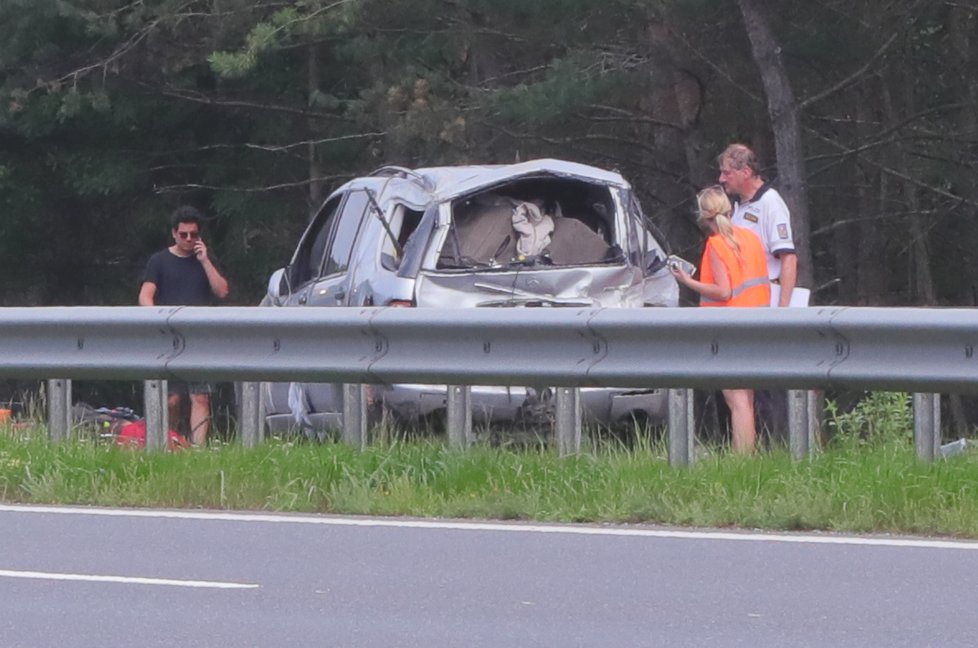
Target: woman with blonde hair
733,273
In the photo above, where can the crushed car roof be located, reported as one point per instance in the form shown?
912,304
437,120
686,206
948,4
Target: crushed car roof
421,187
455,180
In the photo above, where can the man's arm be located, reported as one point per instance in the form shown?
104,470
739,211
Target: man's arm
218,284
789,276
147,294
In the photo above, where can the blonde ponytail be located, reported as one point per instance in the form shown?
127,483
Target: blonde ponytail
714,205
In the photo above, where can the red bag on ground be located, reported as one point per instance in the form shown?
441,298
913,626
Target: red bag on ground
133,435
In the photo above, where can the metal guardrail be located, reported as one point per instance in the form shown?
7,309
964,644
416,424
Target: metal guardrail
922,350
918,350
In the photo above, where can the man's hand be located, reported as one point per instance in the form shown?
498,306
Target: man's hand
200,250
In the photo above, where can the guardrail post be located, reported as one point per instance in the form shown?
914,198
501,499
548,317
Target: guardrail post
799,424
568,421
816,418
458,404
355,415
681,427
927,425
157,414
59,409
250,426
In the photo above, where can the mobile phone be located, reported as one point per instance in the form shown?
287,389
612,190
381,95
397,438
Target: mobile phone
676,262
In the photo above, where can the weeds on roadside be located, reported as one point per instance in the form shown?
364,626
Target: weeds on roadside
878,419
867,479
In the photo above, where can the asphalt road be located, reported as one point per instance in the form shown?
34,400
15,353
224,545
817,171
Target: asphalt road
119,578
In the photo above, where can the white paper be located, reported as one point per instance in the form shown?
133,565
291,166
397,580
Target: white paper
799,296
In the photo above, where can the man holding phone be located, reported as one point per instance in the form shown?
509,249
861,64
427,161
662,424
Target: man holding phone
184,274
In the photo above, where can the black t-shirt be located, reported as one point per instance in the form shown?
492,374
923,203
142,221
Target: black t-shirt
180,281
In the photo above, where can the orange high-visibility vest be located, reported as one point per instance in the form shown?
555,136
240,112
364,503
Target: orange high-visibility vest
749,283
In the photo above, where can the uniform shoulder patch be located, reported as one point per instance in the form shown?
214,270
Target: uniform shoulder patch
782,230
750,218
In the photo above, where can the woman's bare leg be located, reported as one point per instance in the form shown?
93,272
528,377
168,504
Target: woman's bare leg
741,404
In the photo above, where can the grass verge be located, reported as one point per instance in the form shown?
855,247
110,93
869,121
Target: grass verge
853,486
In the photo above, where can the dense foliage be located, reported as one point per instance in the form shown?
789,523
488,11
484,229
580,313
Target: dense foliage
114,111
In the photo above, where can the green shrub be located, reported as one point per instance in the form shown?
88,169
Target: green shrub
879,419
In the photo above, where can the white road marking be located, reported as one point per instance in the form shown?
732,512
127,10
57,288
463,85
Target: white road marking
129,580
558,529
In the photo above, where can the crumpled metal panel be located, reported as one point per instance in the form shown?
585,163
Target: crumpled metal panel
660,289
611,286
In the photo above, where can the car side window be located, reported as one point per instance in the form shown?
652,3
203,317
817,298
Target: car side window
352,215
403,222
309,256
648,235
637,242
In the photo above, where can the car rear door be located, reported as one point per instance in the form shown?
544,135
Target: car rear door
332,287
309,258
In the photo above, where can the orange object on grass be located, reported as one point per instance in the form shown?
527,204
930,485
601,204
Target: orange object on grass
134,435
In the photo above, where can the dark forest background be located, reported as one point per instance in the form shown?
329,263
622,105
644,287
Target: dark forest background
114,111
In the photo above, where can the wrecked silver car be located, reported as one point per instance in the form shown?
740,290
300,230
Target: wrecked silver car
543,233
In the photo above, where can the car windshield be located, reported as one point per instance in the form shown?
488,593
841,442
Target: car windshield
532,222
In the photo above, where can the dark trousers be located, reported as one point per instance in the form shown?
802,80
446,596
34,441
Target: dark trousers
771,413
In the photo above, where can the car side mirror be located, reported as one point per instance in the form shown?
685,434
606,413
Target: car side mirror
278,286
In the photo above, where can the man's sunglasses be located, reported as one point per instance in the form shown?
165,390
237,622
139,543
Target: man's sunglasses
189,235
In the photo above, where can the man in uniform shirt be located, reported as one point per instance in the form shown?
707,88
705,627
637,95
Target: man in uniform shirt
185,275
761,209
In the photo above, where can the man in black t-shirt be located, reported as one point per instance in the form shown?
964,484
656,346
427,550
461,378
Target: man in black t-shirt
185,275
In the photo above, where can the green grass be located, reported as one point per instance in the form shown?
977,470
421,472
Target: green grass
866,481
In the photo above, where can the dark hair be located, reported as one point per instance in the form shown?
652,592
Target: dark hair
740,157
185,214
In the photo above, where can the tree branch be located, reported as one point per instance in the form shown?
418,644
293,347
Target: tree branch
277,187
852,78
629,115
208,101
893,172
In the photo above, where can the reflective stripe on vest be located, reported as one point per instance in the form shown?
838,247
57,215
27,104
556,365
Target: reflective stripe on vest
749,283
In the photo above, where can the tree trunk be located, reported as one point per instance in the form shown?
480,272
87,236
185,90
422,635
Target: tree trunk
663,104
961,24
871,258
786,125
961,28
920,284
922,287
685,96
316,188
